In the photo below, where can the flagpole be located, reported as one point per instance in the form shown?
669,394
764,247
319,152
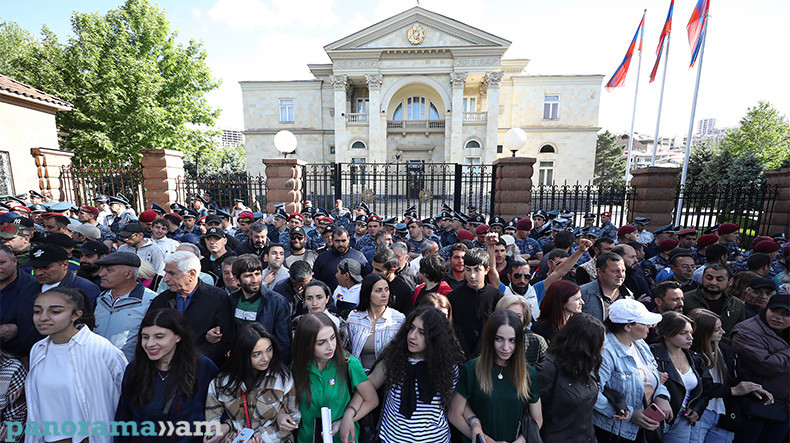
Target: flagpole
660,100
691,124
633,113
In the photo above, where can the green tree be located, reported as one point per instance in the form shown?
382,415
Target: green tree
609,161
764,132
132,85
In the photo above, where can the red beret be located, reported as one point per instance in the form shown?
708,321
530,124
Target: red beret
93,210
668,245
374,218
246,215
296,215
20,208
465,234
759,239
687,231
147,216
606,213
326,219
626,229
786,251
524,225
482,229
728,228
707,240
767,246
173,215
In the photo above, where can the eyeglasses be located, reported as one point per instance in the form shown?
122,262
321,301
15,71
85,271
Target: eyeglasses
297,236
519,276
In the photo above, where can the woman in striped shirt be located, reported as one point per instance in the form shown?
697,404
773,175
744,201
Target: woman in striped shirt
75,375
419,369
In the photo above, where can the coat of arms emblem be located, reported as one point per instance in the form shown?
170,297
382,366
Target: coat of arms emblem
416,35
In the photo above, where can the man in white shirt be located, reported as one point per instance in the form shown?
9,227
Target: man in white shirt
349,282
519,276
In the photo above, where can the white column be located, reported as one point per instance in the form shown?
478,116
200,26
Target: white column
492,80
340,86
458,81
377,121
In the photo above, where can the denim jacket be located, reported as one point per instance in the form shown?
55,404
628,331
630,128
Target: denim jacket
619,371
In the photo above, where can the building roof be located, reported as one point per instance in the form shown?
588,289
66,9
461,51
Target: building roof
11,87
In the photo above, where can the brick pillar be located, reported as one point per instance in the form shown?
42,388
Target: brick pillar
654,194
284,183
161,170
513,186
780,221
48,164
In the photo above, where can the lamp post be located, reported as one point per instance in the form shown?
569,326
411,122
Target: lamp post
514,140
285,142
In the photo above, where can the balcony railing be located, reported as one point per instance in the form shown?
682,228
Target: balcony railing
358,118
475,117
415,125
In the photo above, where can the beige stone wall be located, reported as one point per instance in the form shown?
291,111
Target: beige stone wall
23,128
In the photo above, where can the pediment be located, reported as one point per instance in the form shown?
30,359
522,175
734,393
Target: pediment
439,31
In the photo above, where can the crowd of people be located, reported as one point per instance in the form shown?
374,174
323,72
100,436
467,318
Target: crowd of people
408,329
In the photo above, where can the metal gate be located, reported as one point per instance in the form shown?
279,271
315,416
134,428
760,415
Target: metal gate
390,188
84,182
584,198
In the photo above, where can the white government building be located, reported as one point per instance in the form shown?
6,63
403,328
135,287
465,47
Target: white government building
420,86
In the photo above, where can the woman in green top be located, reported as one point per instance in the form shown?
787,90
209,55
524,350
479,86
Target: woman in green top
325,377
493,389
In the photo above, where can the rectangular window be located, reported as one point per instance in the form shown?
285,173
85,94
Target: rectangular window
358,171
286,110
546,173
551,107
499,149
470,104
332,149
363,105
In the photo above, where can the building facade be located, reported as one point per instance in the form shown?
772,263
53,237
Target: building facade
422,87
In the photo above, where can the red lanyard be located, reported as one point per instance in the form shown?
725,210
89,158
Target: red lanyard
246,411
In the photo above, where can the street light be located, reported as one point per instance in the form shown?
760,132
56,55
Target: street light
514,140
285,142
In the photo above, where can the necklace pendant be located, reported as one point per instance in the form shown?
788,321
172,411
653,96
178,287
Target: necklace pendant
500,376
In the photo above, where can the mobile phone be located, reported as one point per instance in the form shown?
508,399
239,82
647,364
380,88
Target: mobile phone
243,436
652,412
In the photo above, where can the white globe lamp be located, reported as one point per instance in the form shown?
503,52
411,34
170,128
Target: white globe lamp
514,140
285,142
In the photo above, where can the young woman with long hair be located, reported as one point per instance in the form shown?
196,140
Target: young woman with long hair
562,300
568,380
75,375
372,324
326,377
254,389
419,369
316,299
494,389
167,380
723,415
535,346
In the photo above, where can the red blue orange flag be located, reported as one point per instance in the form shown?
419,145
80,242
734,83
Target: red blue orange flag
664,33
695,27
618,78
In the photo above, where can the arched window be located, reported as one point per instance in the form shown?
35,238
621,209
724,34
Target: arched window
358,145
547,149
415,110
472,144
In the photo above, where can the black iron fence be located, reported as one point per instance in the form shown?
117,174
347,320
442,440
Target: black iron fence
585,198
82,182
390,188
751,207
224,189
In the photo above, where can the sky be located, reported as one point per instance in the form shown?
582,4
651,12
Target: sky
744,62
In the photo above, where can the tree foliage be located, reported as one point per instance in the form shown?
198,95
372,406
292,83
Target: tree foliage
711,167
609,161
217,162
132,85
764,132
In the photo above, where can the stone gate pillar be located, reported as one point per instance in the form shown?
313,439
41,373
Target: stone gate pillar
284,182
780,220
161,170
654,194
513,186
48,164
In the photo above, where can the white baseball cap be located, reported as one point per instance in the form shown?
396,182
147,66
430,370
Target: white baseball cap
631,311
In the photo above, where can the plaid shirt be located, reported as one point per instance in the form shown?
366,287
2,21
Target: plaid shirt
12,402
263,405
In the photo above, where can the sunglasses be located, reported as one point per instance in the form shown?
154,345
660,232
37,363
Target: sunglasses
297,236
519,275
